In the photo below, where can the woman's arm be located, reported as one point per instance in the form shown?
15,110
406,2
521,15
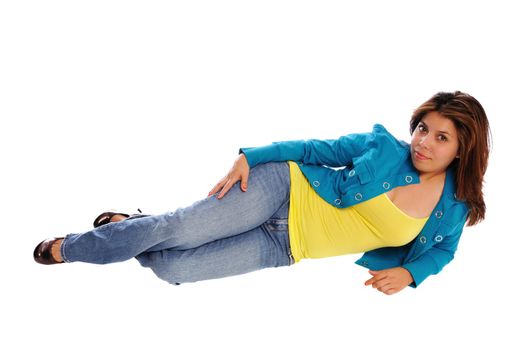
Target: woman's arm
332,152
393,280
435,258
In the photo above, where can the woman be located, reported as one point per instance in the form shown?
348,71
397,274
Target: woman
404,205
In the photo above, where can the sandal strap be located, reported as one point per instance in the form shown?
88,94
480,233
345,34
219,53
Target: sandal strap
106,217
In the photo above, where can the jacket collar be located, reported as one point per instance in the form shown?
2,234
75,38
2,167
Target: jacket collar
450,184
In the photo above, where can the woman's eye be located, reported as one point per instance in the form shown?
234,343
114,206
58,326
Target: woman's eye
421,128
442,138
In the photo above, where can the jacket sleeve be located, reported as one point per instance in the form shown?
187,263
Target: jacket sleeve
435,258
332,152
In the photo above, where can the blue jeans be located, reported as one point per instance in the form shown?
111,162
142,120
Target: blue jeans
240,233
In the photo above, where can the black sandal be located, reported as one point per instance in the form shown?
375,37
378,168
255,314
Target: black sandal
106,217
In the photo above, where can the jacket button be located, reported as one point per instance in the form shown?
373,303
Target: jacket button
352,172
358,196
439,214
316,183
438,238
408,179
337,201
422,239
386,185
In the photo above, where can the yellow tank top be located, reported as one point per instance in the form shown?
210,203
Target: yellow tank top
317,229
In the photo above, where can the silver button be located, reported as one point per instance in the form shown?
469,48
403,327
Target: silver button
408,179
439,214
352,172
316,183
337,201
422,239
438,238
386,185
358,196
455,197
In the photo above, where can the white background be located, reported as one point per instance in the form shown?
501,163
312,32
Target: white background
144,104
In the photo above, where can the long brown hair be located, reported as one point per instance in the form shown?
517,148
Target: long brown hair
474,145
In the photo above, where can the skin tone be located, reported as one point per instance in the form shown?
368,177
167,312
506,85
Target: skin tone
434,146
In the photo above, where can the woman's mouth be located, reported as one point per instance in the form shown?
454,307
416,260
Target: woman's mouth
420,156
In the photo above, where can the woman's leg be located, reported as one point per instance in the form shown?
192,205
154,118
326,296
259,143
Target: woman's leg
204,221
264,246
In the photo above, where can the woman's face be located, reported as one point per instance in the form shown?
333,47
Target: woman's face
434,143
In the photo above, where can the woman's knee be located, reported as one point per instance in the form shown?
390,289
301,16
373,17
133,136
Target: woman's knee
164,268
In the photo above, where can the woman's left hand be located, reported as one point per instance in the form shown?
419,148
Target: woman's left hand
390,281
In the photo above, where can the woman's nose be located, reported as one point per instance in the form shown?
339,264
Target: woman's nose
423,141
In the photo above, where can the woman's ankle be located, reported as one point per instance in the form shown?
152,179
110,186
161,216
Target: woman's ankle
117,217
55,250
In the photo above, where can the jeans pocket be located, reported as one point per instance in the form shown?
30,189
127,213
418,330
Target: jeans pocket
281,228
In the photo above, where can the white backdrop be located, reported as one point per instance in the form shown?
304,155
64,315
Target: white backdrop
144,104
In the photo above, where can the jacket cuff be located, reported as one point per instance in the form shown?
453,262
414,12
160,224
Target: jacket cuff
259,155
421,269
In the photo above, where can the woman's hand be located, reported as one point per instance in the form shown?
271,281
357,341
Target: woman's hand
239,171
390,281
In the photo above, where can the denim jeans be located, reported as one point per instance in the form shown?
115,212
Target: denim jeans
212,238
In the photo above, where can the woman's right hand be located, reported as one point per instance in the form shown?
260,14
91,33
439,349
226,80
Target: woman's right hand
239,171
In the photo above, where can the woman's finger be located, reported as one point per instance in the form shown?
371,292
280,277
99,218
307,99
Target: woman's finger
379,282
225,189
245,178
217,187
370,281
384,288
214,190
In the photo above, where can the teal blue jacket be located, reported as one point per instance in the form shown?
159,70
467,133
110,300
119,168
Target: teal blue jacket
371,164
